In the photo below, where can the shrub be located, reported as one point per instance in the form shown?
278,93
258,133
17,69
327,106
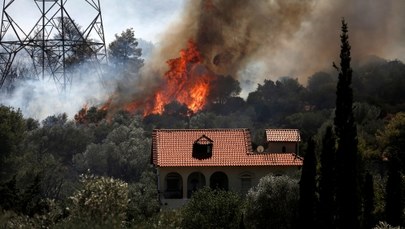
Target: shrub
212,209
272,203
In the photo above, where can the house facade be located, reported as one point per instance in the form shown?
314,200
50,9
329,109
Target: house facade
188,159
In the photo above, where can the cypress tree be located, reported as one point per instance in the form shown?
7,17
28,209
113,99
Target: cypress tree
368,221
393,205
347,197
327,181
307,183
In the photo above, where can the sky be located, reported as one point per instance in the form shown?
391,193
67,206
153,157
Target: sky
149,18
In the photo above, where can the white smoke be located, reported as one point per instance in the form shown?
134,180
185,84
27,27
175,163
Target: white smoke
39,99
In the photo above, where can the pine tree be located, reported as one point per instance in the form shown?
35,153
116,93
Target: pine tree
327,180
307,201
347,197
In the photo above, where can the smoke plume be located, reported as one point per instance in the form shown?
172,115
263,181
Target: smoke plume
254,40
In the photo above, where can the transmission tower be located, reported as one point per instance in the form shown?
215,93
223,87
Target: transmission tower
56,44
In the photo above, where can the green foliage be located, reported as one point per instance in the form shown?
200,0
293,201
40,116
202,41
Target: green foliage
212,209
394,207
381,83
224,87
72,31
165,121
123,50
368,120
91,115
143,198
123,154
308,122
101,201
275,100
273,203
327,180
165,219
307,185
12,127
61,138
10,219
321,90
202,120
347,172
369,202
392,138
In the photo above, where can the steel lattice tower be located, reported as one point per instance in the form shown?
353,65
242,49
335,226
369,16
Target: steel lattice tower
55,43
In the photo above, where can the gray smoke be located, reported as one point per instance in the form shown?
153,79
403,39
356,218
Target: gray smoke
250,40
254,40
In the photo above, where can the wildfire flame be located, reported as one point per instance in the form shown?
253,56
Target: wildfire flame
187,81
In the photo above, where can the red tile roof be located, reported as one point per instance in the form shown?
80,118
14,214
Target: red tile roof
231,147
283,135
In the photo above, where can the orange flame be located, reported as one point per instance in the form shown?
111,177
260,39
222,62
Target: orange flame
186,82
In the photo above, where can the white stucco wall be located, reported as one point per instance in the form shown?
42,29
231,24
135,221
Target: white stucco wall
233,173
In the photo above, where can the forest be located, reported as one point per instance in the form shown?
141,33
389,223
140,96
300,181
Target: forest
93,170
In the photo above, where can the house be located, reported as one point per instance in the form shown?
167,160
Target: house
188,159
283,140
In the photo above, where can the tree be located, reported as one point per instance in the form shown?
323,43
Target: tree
321,87
272,203
368,215
91,115
79,49
277,99
223,87
347,196
102,201
212,209
392,138
307,184
327,180
12,127
394,201
9,195
143,198
308,122
122,154
123,51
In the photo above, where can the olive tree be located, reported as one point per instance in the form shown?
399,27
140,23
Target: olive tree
273,203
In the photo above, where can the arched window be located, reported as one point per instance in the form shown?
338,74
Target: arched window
174,186
219,180
195,181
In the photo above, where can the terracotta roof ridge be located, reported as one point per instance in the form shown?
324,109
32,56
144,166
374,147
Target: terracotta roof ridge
282,129
205,129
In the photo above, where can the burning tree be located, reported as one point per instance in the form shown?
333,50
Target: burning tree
187,81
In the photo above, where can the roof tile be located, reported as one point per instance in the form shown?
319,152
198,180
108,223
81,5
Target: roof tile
283,135
231,147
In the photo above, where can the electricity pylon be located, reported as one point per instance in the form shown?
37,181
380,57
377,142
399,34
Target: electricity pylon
56,44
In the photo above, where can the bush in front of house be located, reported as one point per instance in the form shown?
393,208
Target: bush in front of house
272,203
212,209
